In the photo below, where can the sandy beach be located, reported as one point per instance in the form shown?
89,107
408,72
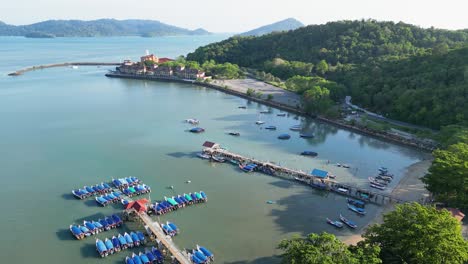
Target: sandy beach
410,188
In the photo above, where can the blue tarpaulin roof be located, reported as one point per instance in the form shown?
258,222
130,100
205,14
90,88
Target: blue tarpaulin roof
319,173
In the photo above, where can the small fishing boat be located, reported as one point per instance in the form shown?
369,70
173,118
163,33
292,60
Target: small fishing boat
284,136
234,134
109,246
331,176
296,128
242,107
377,182
384,178
129,260
218,159
150,256
129,240
144,258
380,187
383,169
157,254
136,259
248,168
195,259
281,114
135,238
386,174
342,190
355,209
357,203
192,121
347,222
172,226
116,244
199,255
197,130
206,252
76,231
203,156
270,127
345,166
309,153
258,122
101,248
337,224
122,241
305,135
78,194
233,161
265,112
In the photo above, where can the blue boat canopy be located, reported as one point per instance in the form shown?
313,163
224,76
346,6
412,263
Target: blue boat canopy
319,173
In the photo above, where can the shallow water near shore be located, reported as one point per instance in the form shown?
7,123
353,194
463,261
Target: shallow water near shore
63,128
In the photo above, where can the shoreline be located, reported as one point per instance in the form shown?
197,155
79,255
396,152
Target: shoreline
65,64
409,188
281,106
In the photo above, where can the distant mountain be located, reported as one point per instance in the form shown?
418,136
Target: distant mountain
98,28
283,25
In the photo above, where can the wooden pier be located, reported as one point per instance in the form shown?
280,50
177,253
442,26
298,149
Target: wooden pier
306,178
179,255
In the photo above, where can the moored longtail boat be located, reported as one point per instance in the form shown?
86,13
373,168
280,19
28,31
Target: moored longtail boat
109,246
76,231
136,259
355,209
347,222
206,252
101,248
337,224
357,203
116,244
144,258
123,241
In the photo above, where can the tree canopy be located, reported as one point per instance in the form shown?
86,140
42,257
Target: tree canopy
399,70
325,249
417,234
448,175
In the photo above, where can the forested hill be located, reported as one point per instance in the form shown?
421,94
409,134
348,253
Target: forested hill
395,69
431,90
343,41
283,25
98,28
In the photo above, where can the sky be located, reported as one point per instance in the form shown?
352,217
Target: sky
240,15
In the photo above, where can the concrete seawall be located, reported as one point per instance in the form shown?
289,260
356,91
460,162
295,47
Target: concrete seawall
368,132
65,64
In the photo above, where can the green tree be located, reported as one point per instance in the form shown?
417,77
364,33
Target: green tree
325,249
321,67
417,234
448,175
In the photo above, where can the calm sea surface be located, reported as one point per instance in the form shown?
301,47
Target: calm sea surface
64,128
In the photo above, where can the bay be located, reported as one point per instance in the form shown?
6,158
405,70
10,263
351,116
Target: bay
63,128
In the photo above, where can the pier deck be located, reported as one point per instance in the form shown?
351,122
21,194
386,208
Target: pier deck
331,185
45,66
167,241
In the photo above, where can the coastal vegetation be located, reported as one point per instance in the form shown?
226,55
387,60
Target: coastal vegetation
385,66
412,233
98,28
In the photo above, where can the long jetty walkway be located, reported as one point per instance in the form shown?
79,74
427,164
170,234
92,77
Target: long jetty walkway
313,181
179,255
65,64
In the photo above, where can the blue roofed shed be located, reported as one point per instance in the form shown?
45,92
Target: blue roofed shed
319,173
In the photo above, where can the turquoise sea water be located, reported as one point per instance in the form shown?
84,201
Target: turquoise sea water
63,128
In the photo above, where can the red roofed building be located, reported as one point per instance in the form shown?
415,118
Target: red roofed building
139,206
163,60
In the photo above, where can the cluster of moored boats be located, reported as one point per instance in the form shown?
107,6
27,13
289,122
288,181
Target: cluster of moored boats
88,191
200,255
109,198
356,206
122,183
94,227
136,190
381,180
150,256
170,229
170,204
121,242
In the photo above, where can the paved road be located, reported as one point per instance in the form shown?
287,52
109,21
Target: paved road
279,95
